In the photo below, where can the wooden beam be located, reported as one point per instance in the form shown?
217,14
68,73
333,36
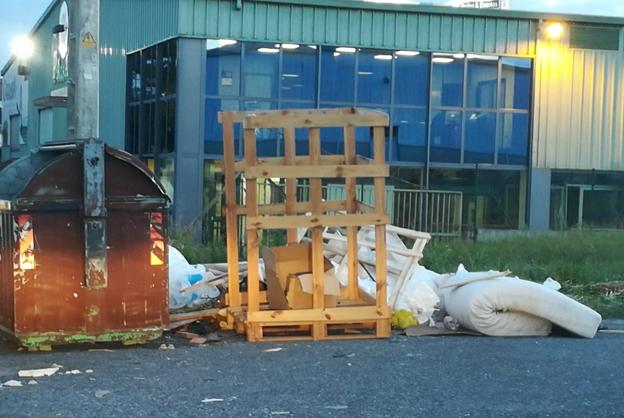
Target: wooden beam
231,227
318,171
299,207
281,222
299,160
381,255
194,316
253,276
330,315
352,240
315,118
316,197
291,182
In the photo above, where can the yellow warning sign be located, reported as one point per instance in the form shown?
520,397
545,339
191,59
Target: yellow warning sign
88,41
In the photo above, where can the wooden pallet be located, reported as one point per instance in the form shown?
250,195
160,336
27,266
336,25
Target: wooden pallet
319,322
347,322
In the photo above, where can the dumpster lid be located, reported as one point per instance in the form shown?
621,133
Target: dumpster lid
15,175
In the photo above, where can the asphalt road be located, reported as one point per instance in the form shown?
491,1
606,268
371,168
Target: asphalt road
404,376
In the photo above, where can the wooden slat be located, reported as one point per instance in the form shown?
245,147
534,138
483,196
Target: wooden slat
317,118
299,160
300,207
281,222
328,315
352,241
253,277
316,197
318,171
291,183
369,244
380,230
231,227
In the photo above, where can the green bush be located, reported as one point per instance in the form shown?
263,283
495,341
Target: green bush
195,251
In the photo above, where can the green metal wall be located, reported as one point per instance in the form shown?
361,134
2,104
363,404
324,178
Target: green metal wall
578,107
40,82
356,24
127,25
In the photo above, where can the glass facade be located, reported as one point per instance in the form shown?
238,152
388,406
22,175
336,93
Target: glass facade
444,108
151,109
450,114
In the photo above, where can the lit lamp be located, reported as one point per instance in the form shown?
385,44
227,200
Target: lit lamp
23,48
554,30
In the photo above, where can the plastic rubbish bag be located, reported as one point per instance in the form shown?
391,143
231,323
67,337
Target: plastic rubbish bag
421,301
183,275
403,319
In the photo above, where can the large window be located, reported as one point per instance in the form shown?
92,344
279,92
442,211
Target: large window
479,110
452,109
151,108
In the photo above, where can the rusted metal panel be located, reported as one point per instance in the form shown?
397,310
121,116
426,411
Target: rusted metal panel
96,269
94,174
6,271
48,283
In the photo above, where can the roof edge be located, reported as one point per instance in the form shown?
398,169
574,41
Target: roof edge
455,11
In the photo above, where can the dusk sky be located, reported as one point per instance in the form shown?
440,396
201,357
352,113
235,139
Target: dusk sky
20,18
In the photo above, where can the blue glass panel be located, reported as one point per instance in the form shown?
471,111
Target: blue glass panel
364,138
445,136
299,73
213,133
447,82
408,135
411,80
337,76
480,137
266,139
261,70
513,145
301,134
223,69
515,83
374,77
332,139
482,80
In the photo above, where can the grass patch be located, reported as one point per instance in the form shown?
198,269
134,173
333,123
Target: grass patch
589,265
196,252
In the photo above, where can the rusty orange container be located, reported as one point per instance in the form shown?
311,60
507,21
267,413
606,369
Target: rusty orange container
83,247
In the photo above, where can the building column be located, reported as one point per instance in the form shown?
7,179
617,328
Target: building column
539,201
190,108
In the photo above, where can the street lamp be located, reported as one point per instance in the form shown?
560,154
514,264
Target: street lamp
22,47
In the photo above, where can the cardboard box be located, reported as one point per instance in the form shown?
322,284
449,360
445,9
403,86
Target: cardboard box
289,278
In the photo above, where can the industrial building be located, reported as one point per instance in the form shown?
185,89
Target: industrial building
520,114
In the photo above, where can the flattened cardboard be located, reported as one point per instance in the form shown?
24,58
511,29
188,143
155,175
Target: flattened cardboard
284,289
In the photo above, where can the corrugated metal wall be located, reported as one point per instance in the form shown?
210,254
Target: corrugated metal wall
579,108
274,22
127,25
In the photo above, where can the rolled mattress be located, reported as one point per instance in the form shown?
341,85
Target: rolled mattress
508,306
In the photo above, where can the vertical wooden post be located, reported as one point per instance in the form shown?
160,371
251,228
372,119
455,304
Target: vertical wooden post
350,188
253,283
231,229
291,183
383,326
316,195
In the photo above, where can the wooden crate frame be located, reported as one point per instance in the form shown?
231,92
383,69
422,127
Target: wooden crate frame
319,322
